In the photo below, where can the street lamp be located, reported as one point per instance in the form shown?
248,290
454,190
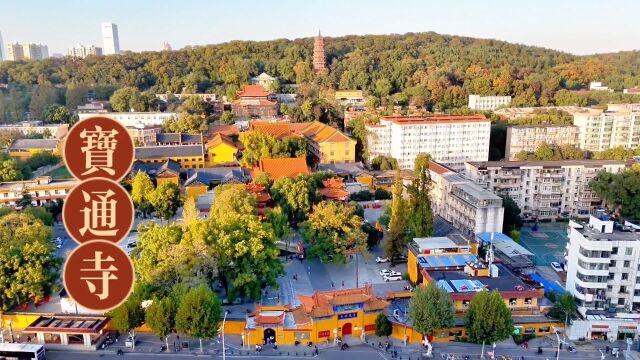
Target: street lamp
559,342
10,322
223,322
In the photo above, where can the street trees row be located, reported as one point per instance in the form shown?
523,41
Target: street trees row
410,218
487,320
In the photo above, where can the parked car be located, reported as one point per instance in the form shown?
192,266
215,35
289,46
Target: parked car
400,259
381,260
392,277
556,266
132,244
385,272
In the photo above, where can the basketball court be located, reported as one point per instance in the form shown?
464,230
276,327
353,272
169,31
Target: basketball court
547,243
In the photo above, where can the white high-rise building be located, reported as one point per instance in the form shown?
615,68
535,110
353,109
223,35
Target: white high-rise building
82,51
449,139
619,125
26,51
110,41
603,275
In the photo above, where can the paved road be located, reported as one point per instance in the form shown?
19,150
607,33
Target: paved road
355,353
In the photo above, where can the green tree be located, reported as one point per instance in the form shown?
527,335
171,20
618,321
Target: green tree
28,264
186,123
280,223
193,105
488,319
383,325
295,196
75,95
384,163
141,192
564,308
244,248
619,191
155,256
190,212
431,308
333,229
512,219
56,113
257,145
166,200
127,98
398,233
44,94
161,317
227,118
544,151
10,170
128,316
198,314
40,213
383,87
42,158
421,216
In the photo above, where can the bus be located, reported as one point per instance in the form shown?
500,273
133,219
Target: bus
15,351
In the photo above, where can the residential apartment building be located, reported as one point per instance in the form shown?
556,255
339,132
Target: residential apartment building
544,189
514,113
618,126
603,275
529,137
82,51
450,139
30,128
467,206
477,102
26,51
134,119
42,189
110,39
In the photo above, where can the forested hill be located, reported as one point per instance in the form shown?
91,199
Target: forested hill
425,68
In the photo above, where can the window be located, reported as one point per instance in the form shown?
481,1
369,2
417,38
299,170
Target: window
625,276
611,275
527,301
612,263
465,303
614,251
621,301
627,263
628,251
512,302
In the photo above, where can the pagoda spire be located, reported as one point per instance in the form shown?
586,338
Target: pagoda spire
319,59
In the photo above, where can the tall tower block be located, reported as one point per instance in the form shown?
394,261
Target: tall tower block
319,66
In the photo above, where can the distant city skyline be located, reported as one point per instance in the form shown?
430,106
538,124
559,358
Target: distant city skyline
573,26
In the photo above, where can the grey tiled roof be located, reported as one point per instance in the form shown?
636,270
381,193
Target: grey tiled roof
44,144
168,151
218,175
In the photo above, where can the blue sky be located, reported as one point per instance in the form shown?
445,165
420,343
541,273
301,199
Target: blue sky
576,26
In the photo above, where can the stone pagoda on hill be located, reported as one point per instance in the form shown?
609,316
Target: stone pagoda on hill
319,66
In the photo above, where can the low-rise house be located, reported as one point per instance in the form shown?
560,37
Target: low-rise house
220,150
281,167
254,101
41,189
25,148
188,156
199,181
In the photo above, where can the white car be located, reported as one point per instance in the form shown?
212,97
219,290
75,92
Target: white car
58,245
392,277
381,260
387,272
556,266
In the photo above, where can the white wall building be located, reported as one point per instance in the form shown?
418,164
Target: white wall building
467,206
134,119
82,51
529,137
603,274
597,86
450,139
619,125
477,102
545,189
110,40
26,51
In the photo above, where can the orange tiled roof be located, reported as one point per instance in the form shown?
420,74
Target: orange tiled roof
220,139
253,91
227,130
321,303
255,188
319,132
333,193
284,167
334,182
262,197
438,168
300,316
277,130
262,319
